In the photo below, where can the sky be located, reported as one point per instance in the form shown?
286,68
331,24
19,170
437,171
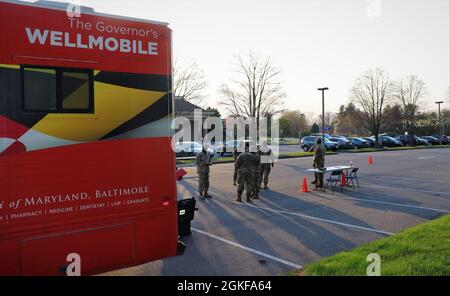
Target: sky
315,43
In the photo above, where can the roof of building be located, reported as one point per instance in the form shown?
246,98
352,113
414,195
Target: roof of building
181,105
186,109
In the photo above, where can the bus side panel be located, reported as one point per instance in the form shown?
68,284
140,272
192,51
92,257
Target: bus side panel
67,197
10,257
47,255
101,183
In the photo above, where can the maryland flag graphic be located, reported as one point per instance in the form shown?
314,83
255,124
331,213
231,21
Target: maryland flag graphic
125,105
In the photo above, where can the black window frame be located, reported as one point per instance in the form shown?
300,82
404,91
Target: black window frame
59,99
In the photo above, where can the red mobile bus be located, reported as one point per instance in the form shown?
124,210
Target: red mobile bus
86,164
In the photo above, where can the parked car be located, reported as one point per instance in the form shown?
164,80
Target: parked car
359,142
431,140
343,142
387,141
186,149
338,136
444,138
389,134
307,142
229,146
371,140
327,136
411,140
421,141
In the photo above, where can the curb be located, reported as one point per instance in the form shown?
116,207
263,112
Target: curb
232,161
387,149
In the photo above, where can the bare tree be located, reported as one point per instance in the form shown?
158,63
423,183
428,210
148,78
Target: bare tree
329,121
189,82
293,123
371,92
393,118
256,89
409,91
348,120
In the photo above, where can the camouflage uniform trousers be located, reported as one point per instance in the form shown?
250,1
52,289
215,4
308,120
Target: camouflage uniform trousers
245,181
235,156
203,182
255,177
264,171
319,176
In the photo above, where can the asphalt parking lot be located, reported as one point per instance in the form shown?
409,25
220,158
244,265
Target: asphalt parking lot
290,148
287,229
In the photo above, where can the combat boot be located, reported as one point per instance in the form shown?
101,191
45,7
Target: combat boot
201,195
239,199
265,186
207,195
248,199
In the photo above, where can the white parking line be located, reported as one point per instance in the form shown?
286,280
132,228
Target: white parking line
408,179
426,157
317,218
431,172
397,204
251,250
407,189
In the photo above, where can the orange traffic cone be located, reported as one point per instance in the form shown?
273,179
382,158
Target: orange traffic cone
305,185
344,179
370,160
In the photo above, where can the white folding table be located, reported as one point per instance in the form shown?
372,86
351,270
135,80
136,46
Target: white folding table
345,168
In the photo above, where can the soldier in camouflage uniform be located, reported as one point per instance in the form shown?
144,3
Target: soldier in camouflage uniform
203,162
255,176
237,151
319,162
266,164
245,177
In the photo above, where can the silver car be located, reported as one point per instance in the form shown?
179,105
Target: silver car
184,149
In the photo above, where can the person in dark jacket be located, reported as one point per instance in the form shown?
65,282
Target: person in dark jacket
319,162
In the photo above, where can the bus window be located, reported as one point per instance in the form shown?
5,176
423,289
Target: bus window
75,91
39,89
57,90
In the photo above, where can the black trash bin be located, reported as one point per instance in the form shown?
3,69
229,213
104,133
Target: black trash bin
186,209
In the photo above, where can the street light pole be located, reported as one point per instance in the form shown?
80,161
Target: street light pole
323,89
302,115
439,120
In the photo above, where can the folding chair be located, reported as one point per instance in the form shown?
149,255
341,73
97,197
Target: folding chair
334,179
353,176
